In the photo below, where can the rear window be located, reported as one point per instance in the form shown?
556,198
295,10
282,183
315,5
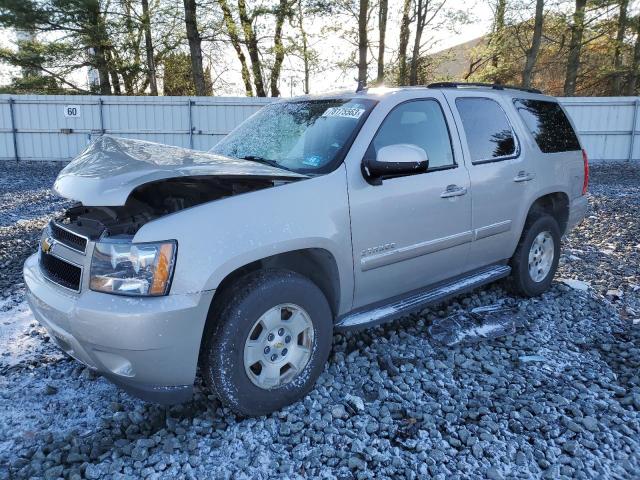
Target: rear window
489,134
548,124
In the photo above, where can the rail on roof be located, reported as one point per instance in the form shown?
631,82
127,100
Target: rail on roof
495,86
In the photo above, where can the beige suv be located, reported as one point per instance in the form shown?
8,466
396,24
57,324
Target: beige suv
317,213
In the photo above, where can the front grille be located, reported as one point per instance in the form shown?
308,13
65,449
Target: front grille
68,238
60,272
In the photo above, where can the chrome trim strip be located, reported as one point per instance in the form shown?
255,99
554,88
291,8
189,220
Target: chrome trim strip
86,239
493,229
416,250
46,277
406,305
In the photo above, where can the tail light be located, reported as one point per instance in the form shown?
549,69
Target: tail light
585,184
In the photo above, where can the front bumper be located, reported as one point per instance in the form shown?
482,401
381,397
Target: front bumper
148,346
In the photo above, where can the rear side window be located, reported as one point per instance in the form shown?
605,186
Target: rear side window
548,124
488,131
420,123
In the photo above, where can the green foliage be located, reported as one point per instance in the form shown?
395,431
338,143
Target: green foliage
178,75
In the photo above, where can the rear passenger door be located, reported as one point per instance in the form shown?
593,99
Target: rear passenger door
502,176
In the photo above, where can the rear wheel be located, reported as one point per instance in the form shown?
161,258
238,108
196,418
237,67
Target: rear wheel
535,260
270,342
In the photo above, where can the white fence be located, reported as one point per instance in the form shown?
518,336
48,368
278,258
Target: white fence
57,127
607,126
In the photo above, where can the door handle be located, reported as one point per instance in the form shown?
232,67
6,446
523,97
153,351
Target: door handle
453,191
523,176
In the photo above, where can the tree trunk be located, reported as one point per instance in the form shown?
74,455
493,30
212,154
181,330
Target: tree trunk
382,29
616,81
115,82
532,53
195,47
632,80
421,11
278,48
100,42
305,48
148,42
575,46
232,31
252,45
404,42
496,39
362,42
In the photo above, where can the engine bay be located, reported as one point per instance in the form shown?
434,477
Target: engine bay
157,199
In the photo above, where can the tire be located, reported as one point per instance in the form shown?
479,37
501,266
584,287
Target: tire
521,280
267,294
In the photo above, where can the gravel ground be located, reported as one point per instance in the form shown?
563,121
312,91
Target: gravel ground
558,396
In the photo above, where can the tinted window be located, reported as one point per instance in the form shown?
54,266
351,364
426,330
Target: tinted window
549,125
488,132
419,123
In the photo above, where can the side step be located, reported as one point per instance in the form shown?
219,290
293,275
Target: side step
415,301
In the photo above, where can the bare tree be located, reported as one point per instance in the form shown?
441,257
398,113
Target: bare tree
234,37
616,81
632,80
252,46
195,46
404,42
148,42
575,47
382,29
305,47
532,52
363,43
278,47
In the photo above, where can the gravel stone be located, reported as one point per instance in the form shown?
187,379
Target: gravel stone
557,396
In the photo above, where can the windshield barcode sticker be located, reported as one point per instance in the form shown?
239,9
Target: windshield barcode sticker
344,112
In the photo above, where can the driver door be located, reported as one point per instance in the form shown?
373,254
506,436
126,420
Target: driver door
412,231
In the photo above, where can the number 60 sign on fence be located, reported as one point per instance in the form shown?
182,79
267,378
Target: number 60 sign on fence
72,111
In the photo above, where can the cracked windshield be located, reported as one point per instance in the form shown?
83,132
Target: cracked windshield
305,137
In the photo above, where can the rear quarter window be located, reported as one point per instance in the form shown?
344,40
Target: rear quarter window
548,124
488,131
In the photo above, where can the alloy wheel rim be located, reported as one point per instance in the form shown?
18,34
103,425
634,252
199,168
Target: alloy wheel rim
278,346
541,256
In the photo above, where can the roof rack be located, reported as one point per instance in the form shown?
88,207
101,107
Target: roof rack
495,86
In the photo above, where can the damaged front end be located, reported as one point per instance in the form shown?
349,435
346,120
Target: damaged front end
121,185
154,200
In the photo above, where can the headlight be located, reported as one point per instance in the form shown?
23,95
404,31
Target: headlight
126,268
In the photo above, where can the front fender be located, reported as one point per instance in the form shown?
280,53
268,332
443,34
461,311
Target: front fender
218,237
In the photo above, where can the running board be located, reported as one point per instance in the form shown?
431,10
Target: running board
416,301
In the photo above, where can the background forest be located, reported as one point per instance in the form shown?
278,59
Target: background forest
284,47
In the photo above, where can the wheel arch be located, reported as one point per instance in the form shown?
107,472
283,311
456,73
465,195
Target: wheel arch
555,204
317,264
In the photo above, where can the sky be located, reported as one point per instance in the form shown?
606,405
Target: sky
329,47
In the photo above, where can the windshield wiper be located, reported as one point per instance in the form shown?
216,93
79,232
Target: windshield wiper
264,161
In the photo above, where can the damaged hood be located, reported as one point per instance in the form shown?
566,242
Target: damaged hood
110,168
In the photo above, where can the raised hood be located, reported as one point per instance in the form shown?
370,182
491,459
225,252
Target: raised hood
110,168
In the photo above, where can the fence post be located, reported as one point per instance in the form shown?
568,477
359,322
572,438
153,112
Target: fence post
100,103
14,130
190,124
636,104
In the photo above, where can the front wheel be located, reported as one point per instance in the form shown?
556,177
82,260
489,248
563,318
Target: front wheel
270,342
536,258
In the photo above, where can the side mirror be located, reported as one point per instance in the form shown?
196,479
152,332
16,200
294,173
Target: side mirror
395,161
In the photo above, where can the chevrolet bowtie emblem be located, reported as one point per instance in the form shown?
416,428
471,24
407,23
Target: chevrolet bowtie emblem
46,244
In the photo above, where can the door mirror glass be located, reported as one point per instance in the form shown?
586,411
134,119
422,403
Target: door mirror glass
397,160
